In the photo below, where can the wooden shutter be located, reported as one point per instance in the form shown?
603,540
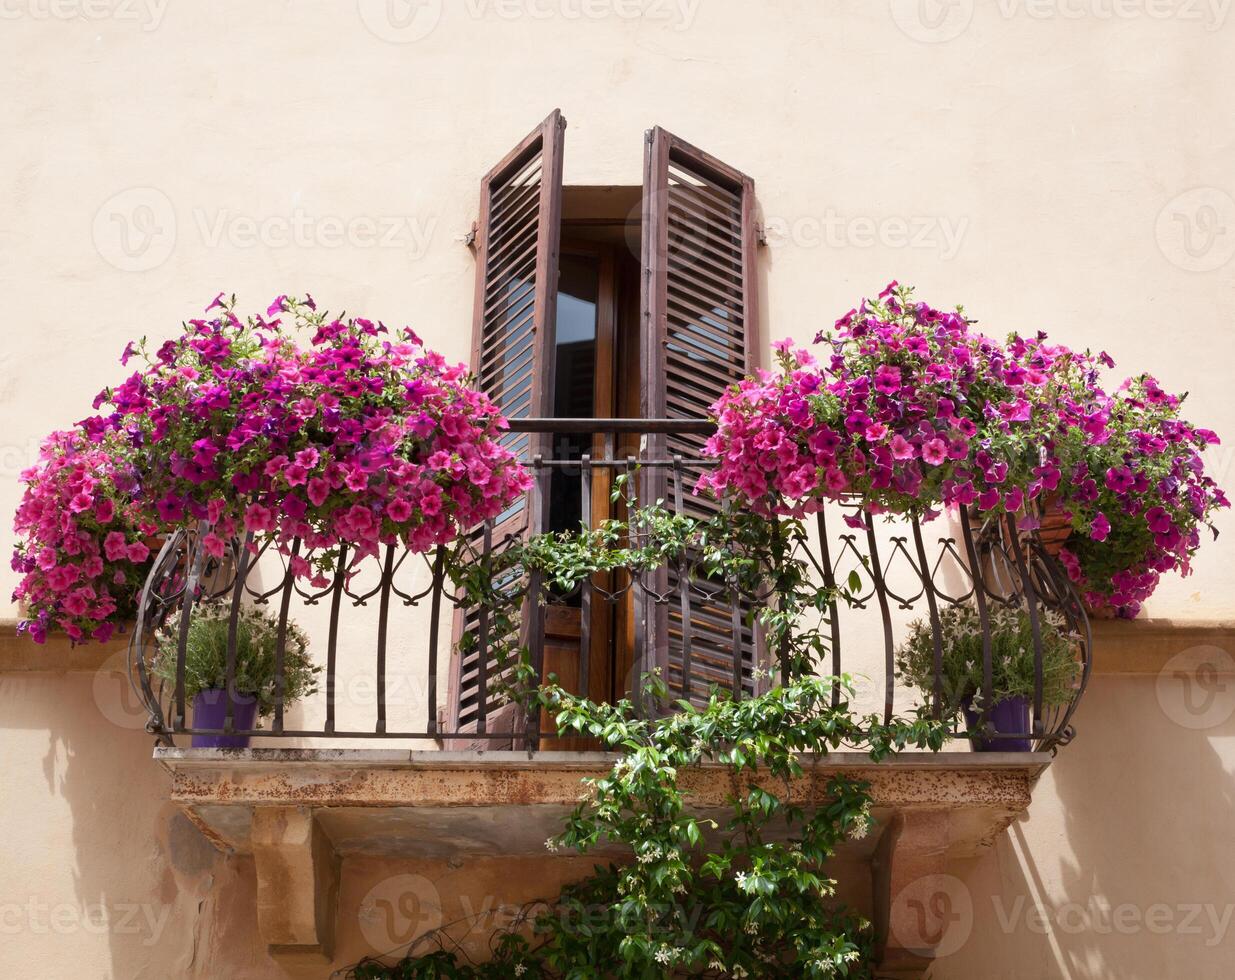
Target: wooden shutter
513,337
700,335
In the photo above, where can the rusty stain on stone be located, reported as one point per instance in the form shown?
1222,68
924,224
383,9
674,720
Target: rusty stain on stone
209,785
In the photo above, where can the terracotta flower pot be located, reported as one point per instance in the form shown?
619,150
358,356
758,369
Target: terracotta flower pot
1055,529
1102,610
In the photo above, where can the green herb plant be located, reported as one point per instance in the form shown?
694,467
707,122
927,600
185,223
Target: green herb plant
1012,656
257,632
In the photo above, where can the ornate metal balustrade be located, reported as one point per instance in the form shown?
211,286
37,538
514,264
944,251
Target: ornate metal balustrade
701,632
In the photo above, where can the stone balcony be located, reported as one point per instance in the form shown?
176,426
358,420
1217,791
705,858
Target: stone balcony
301,812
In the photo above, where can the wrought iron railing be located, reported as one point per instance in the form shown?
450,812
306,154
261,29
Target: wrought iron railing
400,606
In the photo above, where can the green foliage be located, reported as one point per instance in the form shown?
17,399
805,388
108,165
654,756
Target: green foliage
743,896
737,550
1012,655
257,633
746,896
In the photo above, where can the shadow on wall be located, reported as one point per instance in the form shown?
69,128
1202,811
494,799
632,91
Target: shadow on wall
102,876
388,904
1122,866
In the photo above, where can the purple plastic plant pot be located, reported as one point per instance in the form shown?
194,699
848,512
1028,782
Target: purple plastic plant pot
210,710
1007,717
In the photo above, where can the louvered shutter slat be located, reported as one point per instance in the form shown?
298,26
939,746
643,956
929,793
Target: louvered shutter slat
513,334
699,322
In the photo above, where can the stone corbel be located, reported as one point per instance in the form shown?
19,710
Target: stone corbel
915,900
297,887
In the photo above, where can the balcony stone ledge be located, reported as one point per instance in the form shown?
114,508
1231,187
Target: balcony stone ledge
300,812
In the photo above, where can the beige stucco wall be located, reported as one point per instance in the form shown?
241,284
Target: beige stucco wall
1063,166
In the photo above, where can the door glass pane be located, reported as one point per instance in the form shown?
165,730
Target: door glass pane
574,394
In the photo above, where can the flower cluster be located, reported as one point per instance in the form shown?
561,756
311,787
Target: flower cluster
913,411
357,440
1136,493
83,552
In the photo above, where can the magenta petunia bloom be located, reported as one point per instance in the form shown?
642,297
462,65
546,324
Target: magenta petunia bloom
935,452
988,499
1120,479
888,380
902,448
1100,527
1158,520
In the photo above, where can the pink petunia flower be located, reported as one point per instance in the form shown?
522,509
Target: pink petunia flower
295,475
935,452
317,491
115,546
902,448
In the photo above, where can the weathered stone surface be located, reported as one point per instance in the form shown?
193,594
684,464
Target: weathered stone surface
300,811
297,883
